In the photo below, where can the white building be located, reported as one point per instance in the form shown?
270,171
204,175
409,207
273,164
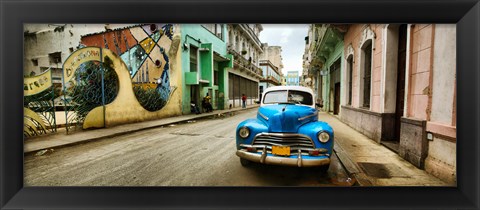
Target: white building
246,48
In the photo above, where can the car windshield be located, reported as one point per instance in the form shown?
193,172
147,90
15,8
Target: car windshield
288,96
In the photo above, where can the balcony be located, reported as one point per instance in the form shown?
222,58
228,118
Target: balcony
250,35
244,65
270,79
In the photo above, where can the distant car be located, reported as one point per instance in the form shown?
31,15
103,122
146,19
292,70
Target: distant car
286,131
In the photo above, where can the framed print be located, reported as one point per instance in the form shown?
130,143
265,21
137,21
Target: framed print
153,72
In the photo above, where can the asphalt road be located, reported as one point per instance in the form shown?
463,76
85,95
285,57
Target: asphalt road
197,153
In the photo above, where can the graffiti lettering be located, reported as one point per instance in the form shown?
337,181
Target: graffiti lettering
69,71
78,57
82,57
34,85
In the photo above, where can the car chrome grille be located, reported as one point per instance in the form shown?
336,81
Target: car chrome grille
294,141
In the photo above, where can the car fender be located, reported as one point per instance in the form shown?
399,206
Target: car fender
255,126
313,128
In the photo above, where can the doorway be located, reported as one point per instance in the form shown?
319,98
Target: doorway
399,104
195,95
334,95
336,100
397,75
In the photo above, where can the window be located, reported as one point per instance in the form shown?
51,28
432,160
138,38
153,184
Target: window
35,62
230,85
219,31
350,72
55,57
290,96
216,29
193,58
215,74
237,44
367,74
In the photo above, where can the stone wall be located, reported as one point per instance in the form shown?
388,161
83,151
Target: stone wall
377,126
413,141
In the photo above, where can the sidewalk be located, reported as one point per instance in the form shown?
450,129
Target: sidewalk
61,139
371,163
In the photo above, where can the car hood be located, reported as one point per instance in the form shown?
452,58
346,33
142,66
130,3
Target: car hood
286,117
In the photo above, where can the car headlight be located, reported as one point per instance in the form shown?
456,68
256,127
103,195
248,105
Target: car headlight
323,137
244,132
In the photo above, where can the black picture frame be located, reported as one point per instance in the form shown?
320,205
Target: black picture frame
465,13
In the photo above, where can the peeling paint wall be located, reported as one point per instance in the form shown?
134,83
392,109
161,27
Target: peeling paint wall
40,40
420,71
354,38
441,160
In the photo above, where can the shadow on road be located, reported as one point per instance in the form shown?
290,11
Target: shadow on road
273,175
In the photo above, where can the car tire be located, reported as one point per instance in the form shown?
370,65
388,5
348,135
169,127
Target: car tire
244,162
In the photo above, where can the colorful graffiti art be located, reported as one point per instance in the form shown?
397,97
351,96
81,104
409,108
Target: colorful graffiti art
143,49
90,81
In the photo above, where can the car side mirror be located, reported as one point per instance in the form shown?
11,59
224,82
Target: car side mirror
256,101
319,105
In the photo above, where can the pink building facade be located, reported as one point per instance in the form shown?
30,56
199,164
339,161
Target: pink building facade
400,90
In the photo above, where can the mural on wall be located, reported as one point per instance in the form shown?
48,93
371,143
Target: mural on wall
143,49
90,81
38,103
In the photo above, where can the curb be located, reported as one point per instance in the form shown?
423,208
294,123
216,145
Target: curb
195,117
350,166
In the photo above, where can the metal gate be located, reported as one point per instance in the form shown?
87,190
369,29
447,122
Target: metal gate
89,81
38,105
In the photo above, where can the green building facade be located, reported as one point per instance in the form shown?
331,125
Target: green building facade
331,54
332,80
204,64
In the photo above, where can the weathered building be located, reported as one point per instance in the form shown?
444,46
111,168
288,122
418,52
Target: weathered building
273,54
327,64
398,87
47,46
309,77
271,65
246,48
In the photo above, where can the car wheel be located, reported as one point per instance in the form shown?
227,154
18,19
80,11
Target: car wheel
244,162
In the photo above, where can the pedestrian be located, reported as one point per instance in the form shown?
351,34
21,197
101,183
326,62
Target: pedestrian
206,103
244,101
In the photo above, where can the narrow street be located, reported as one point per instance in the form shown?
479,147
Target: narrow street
188,154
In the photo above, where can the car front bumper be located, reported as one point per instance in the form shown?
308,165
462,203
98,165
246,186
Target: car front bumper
299,161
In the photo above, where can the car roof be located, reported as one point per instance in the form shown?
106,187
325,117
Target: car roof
300,88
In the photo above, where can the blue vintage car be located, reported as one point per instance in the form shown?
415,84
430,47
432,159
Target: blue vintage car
286,131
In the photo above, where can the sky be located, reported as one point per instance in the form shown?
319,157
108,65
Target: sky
291,37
